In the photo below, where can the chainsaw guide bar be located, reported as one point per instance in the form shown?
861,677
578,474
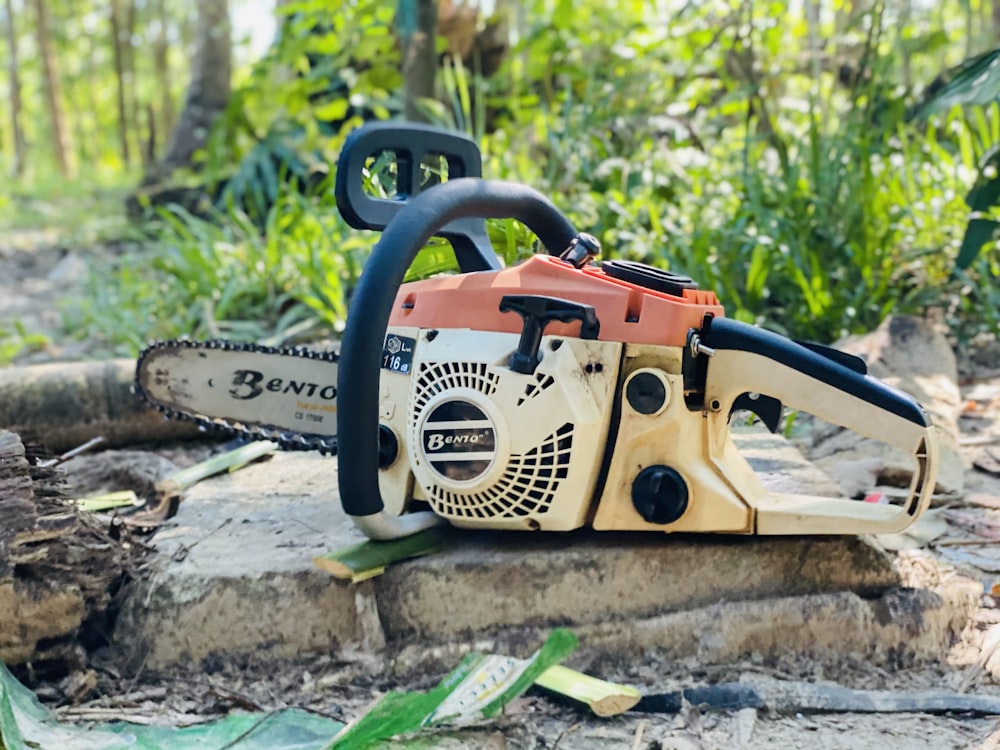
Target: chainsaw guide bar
288,395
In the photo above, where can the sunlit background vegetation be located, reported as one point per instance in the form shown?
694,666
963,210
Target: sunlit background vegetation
818,164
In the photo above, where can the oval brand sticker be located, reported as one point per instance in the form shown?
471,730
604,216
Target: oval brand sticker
458,440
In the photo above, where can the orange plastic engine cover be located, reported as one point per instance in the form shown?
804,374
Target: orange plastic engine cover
628,313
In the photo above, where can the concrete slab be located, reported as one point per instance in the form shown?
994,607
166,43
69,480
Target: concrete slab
492,581
235,574
828,627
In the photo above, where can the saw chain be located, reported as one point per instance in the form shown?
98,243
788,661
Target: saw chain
286,439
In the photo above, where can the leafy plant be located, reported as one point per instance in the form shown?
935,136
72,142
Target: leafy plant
975,81
224,277
816,213
776,162
17,340
326,72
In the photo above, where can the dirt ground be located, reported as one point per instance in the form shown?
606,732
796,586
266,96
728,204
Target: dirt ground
34,272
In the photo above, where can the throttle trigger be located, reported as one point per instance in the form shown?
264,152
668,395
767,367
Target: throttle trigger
767,408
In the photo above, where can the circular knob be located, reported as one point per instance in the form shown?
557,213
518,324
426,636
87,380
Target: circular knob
647,391
388,446
659,494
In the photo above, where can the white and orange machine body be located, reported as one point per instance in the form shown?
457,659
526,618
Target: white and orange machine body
554,394
607,430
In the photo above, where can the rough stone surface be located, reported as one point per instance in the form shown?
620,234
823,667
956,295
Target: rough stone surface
235,572
903,627
235,575
780,466
111,471
494,581
188,618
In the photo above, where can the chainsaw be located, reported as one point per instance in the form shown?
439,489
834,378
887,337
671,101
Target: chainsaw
553,394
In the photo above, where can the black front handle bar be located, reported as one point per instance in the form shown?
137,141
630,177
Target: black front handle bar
368,315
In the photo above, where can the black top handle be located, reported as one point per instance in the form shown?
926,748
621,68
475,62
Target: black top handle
412,145
368,318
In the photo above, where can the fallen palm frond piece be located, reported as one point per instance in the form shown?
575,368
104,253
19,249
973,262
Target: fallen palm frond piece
27,725
602,697
479,687
107,501
229,461
168,490
803,697
368,559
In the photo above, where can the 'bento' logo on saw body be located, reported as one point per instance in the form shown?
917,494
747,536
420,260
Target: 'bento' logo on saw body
458,440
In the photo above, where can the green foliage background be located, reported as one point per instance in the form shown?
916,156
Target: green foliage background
783,161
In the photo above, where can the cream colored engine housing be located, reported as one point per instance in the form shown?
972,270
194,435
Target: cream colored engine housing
718,478
724,493
549,432
533,454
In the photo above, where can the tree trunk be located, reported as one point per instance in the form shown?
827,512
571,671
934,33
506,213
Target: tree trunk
15,92
187,31
46,594
66,404
208,90
79,123
119,58
53,93
161,67
92,72
149,145
128,60
417,28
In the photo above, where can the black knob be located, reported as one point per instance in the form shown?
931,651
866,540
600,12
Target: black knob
646,393
538,311
659,494
583,249
388,447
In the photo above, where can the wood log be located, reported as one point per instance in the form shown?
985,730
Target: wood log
58,567
65,404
